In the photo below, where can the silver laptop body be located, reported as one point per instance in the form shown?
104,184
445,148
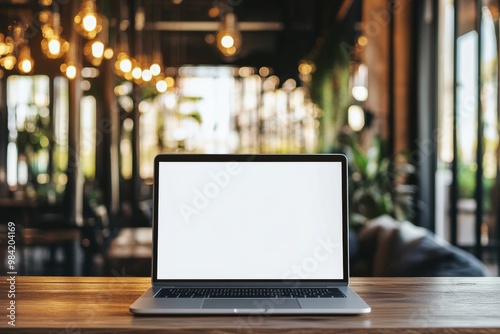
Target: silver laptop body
250,221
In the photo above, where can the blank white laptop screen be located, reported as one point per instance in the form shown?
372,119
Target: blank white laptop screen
249,220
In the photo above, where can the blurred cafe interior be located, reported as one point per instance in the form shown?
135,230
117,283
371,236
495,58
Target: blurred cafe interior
92,90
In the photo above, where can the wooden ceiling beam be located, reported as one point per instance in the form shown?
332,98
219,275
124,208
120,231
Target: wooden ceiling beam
210,26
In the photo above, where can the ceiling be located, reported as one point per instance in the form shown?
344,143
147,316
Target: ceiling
281,31
275,33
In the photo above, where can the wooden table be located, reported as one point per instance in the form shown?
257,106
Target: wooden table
399,305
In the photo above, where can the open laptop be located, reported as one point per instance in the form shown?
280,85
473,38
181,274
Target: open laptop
243,234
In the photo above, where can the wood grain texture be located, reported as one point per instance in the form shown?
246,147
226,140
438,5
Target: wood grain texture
399,305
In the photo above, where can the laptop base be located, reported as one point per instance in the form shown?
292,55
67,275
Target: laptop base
148,305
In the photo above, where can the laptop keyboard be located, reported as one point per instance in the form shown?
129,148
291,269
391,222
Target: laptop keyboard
250,293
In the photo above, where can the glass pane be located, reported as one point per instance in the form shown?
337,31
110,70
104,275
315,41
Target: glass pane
126,155
250,114
489,98
88,136
204,106
60,153
149,131
28,124
445,117
445,77
467,109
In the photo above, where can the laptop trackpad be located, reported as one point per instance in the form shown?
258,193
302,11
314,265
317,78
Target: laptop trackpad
248,303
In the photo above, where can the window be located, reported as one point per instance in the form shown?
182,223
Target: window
88,136
28,123
60,126
469,99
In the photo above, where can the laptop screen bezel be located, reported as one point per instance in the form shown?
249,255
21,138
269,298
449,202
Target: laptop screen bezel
252,158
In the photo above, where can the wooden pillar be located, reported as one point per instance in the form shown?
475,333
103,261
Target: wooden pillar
112,115
376,20
402,17
135,114
74,188
387,25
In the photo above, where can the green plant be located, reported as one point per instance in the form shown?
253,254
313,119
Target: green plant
34,136
377,183
466,180
329,86
467,184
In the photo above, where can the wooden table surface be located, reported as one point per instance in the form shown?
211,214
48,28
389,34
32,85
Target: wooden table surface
399,305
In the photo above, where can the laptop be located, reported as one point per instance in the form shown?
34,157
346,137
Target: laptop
250,234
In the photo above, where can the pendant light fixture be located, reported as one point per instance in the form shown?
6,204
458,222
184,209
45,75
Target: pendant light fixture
88,22
7,58
53,45
25,63
229,36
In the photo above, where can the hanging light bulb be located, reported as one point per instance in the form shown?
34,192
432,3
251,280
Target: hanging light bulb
69,69
87,21
170,82
8,62
356,117
98,49
94,51
147,75
137,72
53,45
6,47
155,69
359,83
7,59
138,67
25,63
123,65
108,53
229,36
161,85
156,66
